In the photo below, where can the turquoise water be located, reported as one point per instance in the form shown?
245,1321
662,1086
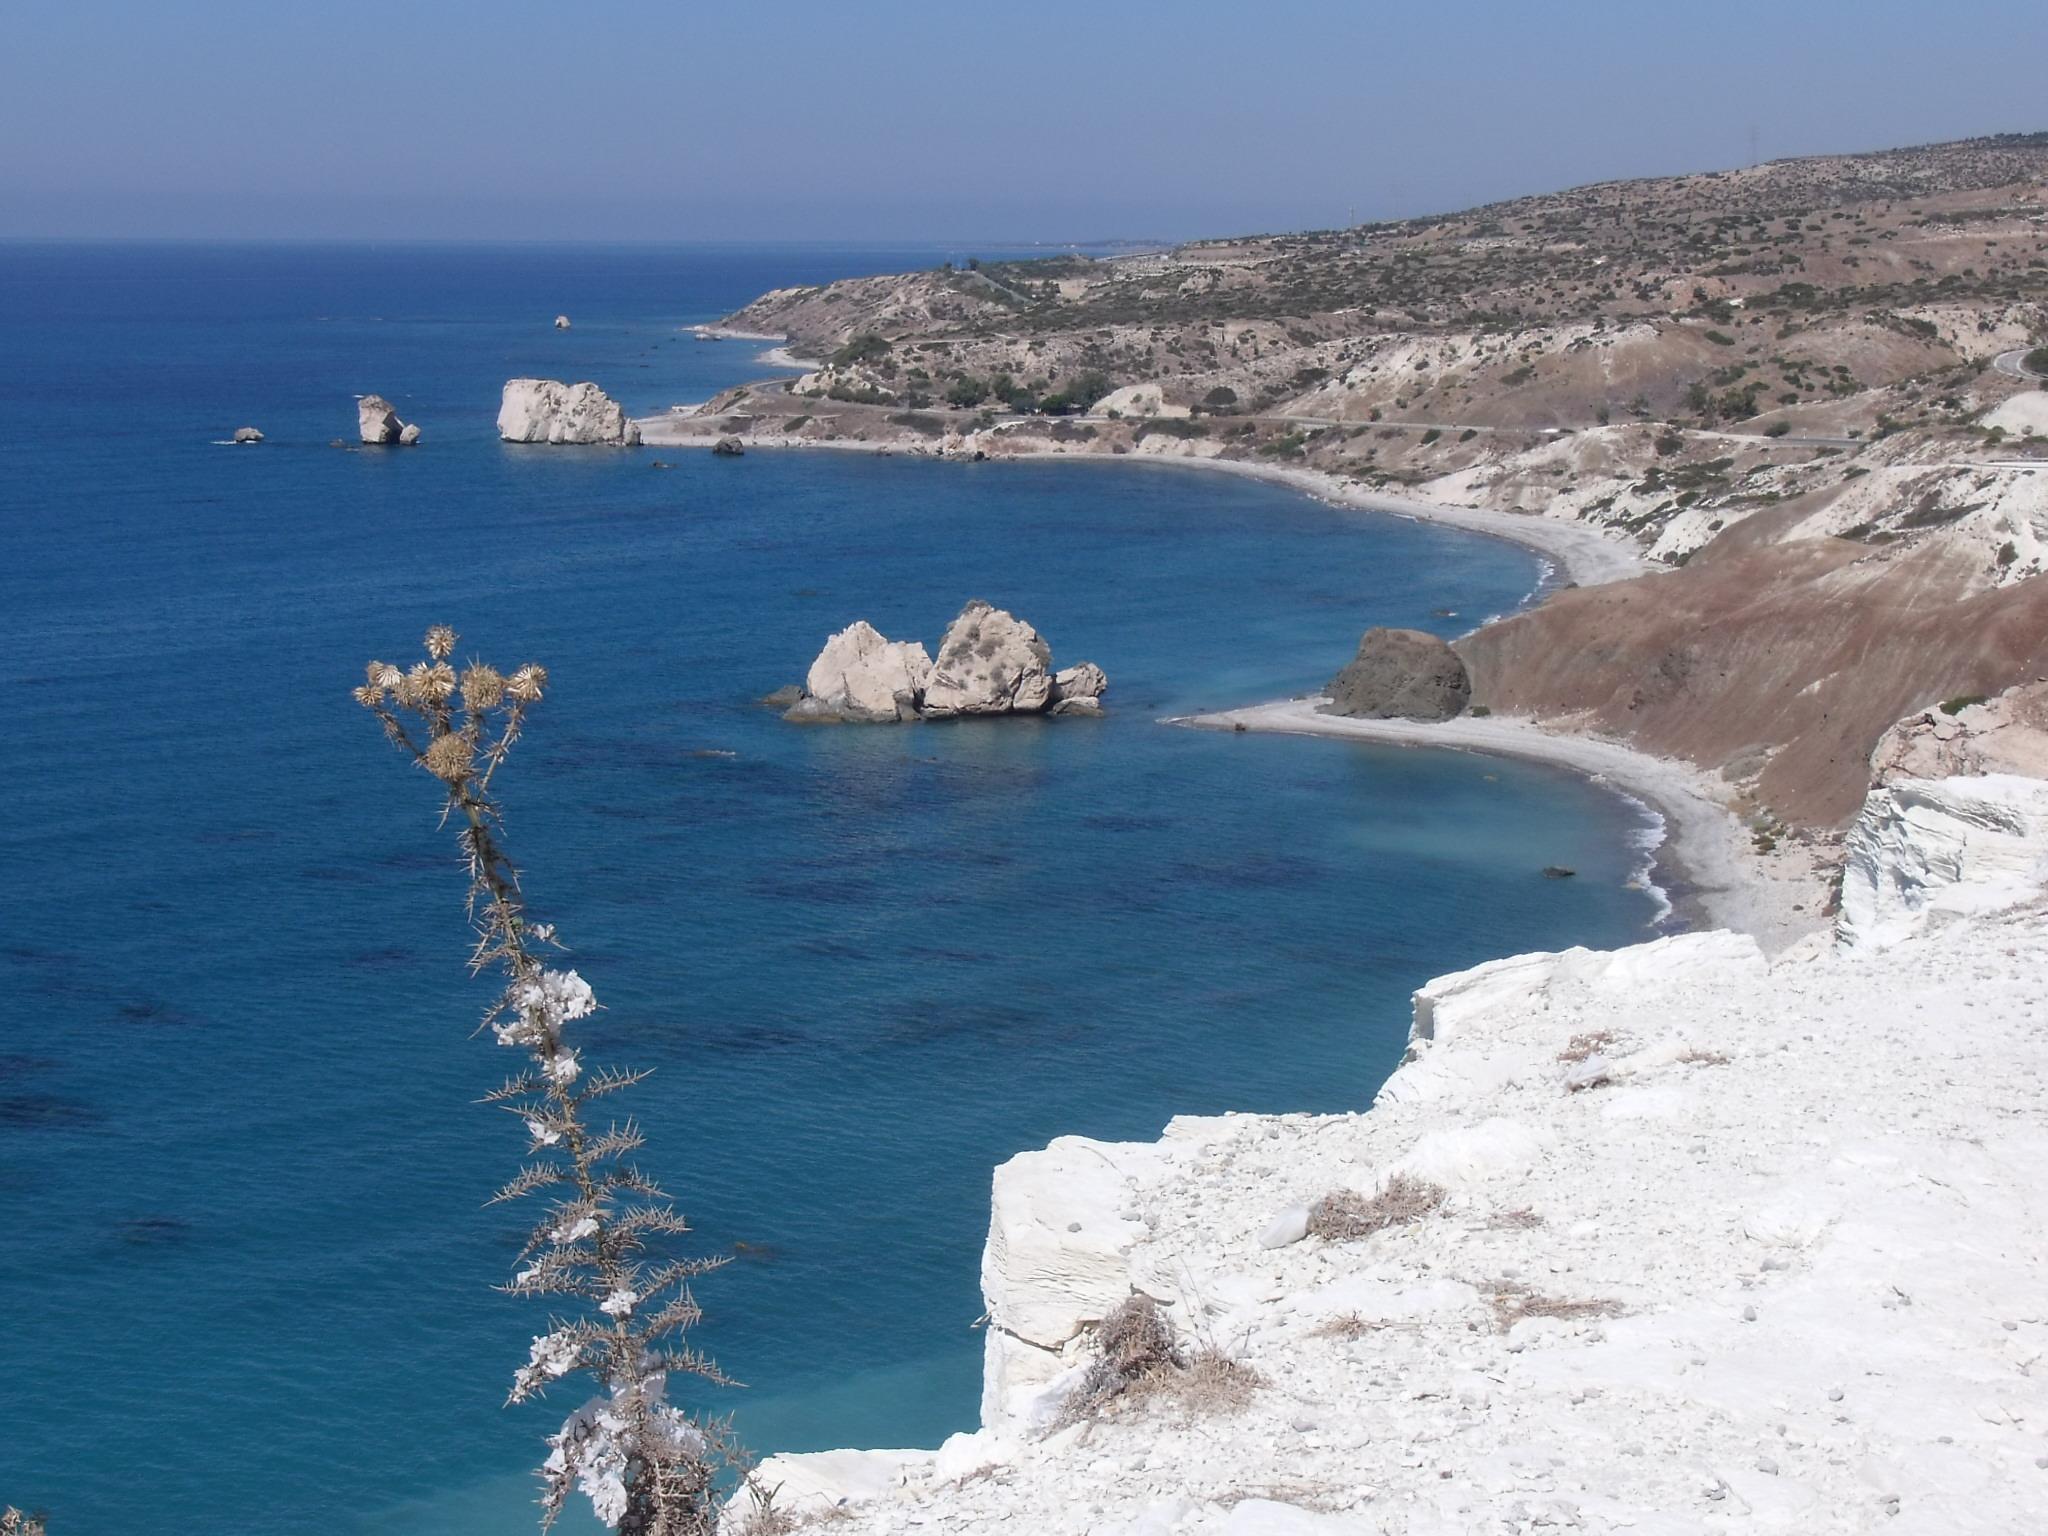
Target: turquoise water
245,1270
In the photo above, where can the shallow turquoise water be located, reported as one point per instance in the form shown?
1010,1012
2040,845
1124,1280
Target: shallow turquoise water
239,1166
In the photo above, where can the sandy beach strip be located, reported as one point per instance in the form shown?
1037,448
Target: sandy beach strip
1707,861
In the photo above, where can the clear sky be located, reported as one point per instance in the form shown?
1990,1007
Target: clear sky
884,119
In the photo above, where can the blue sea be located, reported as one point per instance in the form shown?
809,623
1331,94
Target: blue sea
245,1269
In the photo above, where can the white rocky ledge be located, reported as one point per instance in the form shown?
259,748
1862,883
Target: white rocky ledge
1725,1245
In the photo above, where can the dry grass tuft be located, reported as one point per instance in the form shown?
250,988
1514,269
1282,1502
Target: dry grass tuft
1513,1302
1140,1362
1346,1326
1521,1219
1586,1045
1344,1215
1699,1058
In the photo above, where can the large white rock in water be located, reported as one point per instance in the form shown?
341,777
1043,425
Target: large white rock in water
863,675
377,422
1927,847
990,663
1079,689
549,411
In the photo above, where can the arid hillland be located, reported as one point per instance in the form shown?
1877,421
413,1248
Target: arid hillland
1808,394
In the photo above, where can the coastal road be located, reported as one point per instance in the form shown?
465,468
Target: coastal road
2011,364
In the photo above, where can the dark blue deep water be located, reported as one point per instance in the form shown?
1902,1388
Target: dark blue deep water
243,1269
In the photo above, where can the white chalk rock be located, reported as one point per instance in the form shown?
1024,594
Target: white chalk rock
561,322
812,1482
989,663
1058,1254
862,675
1449,1005
1290,1226
1470,1154
1923,848
549,411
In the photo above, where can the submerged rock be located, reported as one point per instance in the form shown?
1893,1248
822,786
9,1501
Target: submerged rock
377,422
248,435
549,411
1401,674
783,698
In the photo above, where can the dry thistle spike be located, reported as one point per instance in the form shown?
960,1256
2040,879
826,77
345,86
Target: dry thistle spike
648,1468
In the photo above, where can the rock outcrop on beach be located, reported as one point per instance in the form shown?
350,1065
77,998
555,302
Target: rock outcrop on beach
549,411
1689,1236
2004,734
1401,674
248,435
728,448
990,663
377,422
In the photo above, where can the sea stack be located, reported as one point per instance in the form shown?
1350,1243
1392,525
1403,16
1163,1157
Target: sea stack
549,411
561,322
990,663
1401,674
377,422
248,435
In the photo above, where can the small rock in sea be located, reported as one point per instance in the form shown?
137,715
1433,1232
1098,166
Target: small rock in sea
728,448
248,435
337,443
1240,726
658,464
409,433
561,322
377,422
1557,872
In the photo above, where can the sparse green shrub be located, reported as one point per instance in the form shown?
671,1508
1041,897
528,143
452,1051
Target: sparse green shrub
1430,436
1777,429
620,1305
864,348
1961,702
967,392
2036,362
1221,398
1721,338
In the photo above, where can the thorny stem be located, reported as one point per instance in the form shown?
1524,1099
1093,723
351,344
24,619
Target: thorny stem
647,1469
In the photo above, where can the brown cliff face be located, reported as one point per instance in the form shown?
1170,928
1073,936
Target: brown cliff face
1792,658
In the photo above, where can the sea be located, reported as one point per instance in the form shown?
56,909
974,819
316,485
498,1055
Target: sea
246,1267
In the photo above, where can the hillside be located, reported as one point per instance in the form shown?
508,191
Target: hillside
1803,388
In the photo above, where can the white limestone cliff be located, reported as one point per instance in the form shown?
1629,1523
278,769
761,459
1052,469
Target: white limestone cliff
1925,849
1724,1245
549,411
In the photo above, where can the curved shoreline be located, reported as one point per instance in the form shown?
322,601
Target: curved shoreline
1703,860
1711,872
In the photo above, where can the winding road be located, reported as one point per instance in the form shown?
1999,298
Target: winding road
2011,365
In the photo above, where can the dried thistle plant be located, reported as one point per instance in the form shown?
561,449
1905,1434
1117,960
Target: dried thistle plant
648,1468
14,1523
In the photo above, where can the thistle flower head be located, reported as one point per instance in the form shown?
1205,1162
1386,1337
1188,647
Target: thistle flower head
440,642
526,684
450,757
482,688
368,696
